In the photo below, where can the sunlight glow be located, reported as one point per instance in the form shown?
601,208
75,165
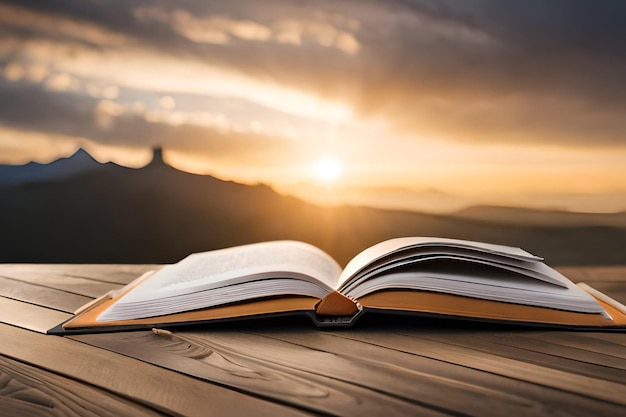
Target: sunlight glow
328,169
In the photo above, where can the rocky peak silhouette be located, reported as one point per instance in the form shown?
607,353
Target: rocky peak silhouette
157,156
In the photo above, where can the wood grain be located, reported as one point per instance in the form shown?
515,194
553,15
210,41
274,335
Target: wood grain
420,344
42,296
295,369
478,392
415,385
583,349
29,316
260,369
595,273
544,354
26,391
151,386
448,387
608,345
53,279
115,274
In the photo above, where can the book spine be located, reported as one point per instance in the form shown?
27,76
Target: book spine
334,321
336,304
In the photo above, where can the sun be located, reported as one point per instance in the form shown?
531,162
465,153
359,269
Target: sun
328,169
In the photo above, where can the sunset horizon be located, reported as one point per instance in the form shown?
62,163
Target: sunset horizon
318,189
420,107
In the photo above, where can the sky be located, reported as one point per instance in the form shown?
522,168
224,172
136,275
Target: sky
414,104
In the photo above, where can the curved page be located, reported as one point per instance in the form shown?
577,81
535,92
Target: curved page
410,261
230,275
495,286
395,248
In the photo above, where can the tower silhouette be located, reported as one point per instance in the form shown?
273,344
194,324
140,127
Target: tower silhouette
157,156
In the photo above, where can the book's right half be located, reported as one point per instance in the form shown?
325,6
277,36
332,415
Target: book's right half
449,305
473,280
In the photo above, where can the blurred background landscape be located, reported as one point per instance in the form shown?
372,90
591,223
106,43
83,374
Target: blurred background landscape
142,131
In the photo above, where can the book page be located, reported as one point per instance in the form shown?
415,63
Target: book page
231,275
465,268
396,247
206,270
502,288
413,259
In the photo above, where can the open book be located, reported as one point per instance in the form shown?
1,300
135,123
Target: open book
416,275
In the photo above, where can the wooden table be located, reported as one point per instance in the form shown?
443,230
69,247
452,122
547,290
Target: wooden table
386,366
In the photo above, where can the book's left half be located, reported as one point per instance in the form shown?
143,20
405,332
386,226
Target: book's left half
86,320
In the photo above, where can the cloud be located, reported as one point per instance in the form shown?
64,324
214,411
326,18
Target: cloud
20,147
529,71
58,27
39,110
13,72
472,71
222,29
60,82
213,29
106,112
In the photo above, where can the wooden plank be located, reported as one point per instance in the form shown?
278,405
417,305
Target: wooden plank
613,338
364,370
261,369
118,273
157,388
483,393
608,345
584,349
595,273
29,316
615,290
416,343
26,391
42,296
115,274
529,353
337,361
610,280
51,278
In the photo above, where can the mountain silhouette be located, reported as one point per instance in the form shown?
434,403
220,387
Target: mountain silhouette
530,217
80,161
155,214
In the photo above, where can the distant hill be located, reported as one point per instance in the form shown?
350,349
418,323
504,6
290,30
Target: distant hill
81,161
159,214
531,217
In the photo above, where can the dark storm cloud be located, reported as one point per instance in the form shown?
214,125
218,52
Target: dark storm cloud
530,71
33,108
562,45
466,70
